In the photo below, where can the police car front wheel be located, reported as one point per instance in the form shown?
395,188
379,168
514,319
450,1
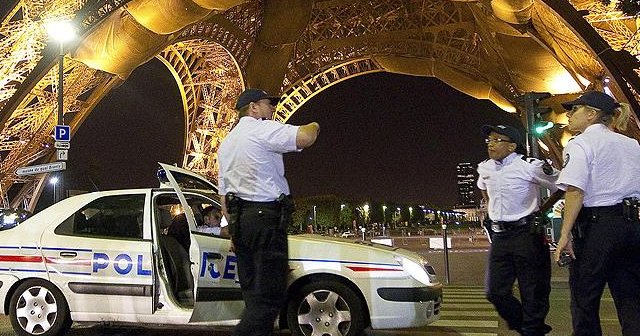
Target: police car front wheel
37,307
325,308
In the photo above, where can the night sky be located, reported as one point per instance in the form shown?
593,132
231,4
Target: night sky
383,137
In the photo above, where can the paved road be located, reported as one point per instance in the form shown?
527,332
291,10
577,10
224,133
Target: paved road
465,312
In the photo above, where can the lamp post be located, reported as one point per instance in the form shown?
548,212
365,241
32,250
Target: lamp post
384,218
366,213
410,215
315,219
61,31
54,181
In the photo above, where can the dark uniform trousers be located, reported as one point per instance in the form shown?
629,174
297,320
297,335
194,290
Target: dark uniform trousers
261,248
523,255
607,253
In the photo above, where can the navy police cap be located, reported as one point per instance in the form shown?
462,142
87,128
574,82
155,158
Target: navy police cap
254,95
510,131
597,99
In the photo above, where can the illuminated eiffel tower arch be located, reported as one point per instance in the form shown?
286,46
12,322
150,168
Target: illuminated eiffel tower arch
489,49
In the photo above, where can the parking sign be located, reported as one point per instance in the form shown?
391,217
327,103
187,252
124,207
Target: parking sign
62,133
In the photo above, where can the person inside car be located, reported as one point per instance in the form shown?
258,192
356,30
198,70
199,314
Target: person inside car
212,222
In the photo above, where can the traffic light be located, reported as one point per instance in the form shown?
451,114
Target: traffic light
542,126
535,112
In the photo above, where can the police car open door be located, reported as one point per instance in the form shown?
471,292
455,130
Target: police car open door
216,289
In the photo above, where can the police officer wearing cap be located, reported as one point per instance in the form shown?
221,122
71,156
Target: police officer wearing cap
252,182
510,184
600,228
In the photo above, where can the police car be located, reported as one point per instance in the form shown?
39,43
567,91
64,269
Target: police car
136,256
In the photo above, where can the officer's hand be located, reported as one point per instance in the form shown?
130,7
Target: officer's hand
564,244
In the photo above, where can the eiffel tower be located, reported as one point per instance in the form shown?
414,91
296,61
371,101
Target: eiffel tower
489,49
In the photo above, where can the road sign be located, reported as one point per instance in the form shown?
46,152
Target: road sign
62,154
62,145
43,168
62,133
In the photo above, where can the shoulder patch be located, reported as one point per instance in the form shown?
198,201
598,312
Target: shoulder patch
567,157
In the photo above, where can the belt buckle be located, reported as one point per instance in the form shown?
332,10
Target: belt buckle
496,227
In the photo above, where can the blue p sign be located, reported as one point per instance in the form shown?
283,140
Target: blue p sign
63,133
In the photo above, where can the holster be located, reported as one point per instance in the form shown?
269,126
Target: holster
583,222
538,223
487,227
234,207
286,210
631,209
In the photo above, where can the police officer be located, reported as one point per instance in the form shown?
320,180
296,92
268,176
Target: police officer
510,184
601,169
251,179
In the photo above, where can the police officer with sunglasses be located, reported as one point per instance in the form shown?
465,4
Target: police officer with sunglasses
510,184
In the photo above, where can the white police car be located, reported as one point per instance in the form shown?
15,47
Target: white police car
135,256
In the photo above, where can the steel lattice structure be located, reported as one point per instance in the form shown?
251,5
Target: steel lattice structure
216,50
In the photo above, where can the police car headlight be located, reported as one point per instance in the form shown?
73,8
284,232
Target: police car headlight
9,219
415,270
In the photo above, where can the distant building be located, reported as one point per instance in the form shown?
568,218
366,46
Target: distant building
467,202
466,186
475,214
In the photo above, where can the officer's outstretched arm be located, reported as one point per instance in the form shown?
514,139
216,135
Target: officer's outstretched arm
307,135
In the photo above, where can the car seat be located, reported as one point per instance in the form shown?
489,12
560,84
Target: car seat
178,266
179,229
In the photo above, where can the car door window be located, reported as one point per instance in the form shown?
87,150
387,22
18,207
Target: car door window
119,216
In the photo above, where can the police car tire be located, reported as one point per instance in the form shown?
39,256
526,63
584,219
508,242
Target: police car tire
328,311
43,295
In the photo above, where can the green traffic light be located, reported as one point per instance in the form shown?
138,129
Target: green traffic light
540,129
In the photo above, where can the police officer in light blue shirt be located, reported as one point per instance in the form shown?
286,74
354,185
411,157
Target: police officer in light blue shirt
600,227
252,182
510,184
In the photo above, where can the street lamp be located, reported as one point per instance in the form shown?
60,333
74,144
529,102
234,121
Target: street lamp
384,218
54,181
340,215
410,213
366,213
61,31
315,219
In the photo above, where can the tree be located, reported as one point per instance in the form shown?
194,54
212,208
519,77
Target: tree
346,216
417,215
300,215
375,212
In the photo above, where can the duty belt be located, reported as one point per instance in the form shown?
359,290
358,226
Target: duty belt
591,215
616,209
502,226
272,205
